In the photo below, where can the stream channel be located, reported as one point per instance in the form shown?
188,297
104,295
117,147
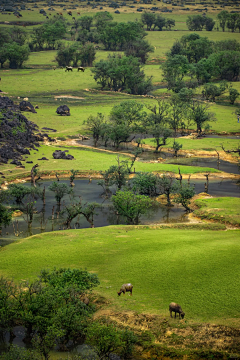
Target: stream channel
91,192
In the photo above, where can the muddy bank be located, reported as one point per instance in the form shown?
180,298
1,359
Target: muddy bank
183,339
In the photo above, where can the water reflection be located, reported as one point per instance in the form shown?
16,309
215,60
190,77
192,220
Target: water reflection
48,217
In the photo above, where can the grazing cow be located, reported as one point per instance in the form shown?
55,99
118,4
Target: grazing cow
69,68
176,308
80,68
125,288
70,13
78,13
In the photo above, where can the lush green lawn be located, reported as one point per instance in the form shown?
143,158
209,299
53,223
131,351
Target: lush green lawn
225,209
198,269
208,144
86,161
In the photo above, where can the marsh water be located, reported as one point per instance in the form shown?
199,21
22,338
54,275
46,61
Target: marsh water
48,218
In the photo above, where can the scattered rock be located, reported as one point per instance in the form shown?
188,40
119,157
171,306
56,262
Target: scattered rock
63,110
43,158
59,154
26,106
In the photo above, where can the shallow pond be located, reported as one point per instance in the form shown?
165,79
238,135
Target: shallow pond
50,220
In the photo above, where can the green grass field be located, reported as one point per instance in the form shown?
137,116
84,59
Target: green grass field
226,210
207,144
198,269
87,161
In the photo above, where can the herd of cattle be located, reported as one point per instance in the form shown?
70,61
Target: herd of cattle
173,307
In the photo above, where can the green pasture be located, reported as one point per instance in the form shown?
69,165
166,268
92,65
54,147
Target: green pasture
207,144
86,160
225,209
41,86
198,269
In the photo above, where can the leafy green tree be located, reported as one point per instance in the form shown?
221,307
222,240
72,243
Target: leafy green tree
169,24
115,36
122,73
222,18
148,19
94,124
184,195
87,54
174,70
177,112
232,21
205,70
118,174
74,209
131,206
60,190
130,113
200,115
4,36
233,95
65,55
5,212
193,46
18,192
159,22
230,44
3,54
159,113
226,64
85,22
176,147
160,135
8,305
101,19
209,23
211,91
139,48
167,186
19,353
18,35
48,33
16,54
195,22
145,184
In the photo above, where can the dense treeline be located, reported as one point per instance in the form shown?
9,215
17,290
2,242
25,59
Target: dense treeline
201,60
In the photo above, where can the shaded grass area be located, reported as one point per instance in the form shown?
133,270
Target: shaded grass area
198,269
87,161
225,210
207,144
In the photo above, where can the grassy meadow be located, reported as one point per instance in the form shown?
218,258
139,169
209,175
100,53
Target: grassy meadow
163,265
198,268
226,210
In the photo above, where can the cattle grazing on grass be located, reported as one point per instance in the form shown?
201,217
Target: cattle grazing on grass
125,288
176,308
80,68
69,68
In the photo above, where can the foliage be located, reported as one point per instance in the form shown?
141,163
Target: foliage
73,54
167,186
139,48
160,135
211,91
154,21
94,124
16,54
222,17
226,64
193,46
50,308
115,36
233,95
74,209
118,174
184,195
60,190
174,70
199,114
19,353
176,147
198,22
122,73
131,205
48,33
145,184
18,35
